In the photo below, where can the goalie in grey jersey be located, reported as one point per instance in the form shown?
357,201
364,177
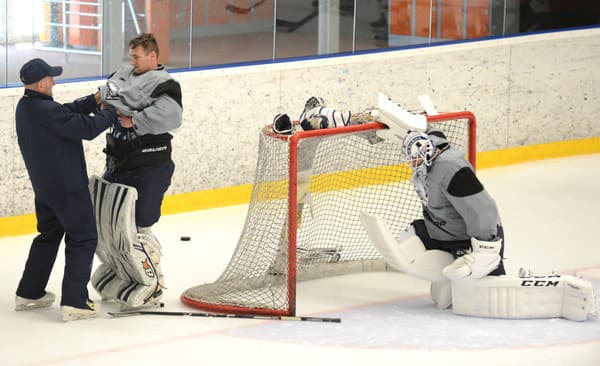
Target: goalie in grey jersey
138,172
460,235
459,215
459,244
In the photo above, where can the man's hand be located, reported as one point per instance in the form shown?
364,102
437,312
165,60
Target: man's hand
99,101
126,121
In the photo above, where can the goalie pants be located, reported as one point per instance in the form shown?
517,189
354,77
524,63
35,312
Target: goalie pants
72,215
457,248
151,183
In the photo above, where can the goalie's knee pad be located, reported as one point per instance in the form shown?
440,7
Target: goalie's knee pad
409,255
549,296
133,258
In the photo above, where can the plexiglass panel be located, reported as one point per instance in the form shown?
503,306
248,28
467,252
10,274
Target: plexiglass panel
372,24
62,33
3,44
226,32
90,37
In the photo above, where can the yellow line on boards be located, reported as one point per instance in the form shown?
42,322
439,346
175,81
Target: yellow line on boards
523,154
229,196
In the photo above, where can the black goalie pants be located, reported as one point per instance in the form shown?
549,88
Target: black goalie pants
457,248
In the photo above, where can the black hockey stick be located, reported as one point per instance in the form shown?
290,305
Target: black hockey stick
120,314
292,26
243,10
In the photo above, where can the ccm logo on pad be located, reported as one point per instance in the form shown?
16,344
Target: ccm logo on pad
539,283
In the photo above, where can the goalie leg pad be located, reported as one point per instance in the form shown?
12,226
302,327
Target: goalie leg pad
550,296
441,294
153,250
114,210
133,294
410,256
134,258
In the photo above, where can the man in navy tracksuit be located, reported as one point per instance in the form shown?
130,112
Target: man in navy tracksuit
50,137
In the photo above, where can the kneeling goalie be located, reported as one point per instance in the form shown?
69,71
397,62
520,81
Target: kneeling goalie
459,243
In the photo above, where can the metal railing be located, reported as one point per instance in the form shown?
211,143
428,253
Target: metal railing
62,25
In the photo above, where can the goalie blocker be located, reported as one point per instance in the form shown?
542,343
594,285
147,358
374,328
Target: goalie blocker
130,272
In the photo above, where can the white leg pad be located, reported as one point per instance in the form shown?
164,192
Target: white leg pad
111,287
441,294
134,258
550,296
410,256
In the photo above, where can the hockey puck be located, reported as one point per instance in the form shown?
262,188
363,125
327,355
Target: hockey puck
185,238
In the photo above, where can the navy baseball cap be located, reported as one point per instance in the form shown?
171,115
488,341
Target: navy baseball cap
37,69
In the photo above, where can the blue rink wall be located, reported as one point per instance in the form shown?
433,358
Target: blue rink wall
525,91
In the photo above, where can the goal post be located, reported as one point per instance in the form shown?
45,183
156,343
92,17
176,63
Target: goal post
303,217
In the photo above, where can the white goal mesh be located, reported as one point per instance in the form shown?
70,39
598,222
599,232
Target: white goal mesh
303,219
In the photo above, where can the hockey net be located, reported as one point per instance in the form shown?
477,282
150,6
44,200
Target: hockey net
303,218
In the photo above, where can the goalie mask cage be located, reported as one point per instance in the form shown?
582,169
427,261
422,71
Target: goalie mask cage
303,218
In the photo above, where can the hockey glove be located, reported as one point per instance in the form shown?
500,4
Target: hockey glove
484,258
282,124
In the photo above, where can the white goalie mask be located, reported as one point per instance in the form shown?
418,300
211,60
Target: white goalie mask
418,149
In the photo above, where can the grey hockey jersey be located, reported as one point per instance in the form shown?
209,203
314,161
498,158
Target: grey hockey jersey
458,207
152,99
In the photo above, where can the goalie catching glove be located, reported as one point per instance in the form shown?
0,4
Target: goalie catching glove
309,119
282,124
484,258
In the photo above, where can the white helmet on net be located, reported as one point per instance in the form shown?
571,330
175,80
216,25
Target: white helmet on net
418,148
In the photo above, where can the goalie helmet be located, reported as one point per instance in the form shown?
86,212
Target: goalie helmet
418,149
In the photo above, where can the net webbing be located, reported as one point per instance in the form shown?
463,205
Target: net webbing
338,176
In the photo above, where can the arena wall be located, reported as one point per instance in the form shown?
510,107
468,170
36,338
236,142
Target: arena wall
524,90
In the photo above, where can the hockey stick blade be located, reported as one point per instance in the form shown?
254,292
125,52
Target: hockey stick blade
121,314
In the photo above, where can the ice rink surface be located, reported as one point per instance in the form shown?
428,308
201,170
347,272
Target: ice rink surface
550,211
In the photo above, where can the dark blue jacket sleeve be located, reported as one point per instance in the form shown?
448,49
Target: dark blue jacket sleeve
85,105
67,123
